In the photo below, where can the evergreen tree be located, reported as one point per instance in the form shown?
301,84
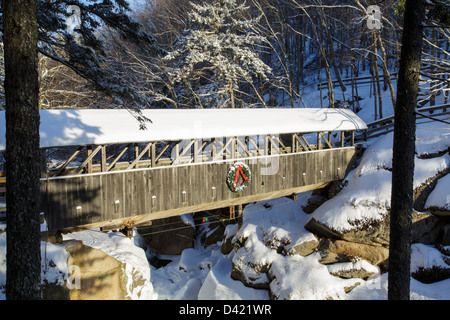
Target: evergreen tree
83,50
217,53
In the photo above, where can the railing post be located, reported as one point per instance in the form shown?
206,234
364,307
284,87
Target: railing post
88,154
233,147
103,165
213,148
195,157
153,154
319,140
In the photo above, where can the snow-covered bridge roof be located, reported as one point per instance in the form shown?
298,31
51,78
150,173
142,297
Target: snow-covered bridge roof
98,126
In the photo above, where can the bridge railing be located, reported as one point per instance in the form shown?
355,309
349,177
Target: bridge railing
77,160
386,125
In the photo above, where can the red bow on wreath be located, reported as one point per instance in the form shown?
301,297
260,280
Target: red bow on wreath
236,175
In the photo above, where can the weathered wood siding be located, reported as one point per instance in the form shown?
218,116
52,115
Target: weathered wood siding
134,197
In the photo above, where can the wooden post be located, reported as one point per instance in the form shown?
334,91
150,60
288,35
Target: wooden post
294,143
103,159
195,157
319,140
177,152
232,212
239,210
266,145
136,150
213,148
153,154
88,155
127,231
293,197
233,146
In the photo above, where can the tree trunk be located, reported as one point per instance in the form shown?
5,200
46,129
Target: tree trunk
377,77
373,67
332,54
386,70
23,255
433,64
231,89
403,152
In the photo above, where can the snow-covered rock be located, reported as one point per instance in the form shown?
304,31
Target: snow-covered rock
438,202
130,261
297,277
360,212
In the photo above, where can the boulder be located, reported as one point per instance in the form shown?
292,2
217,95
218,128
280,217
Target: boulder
304,248
438,201
358,268
373,233
228,238
251,275
425,229
339,251
102,277
314,202
446,236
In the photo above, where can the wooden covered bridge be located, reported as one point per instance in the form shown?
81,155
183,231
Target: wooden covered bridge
104,168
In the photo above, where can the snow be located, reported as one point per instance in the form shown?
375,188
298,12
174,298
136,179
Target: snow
350,266
440,196
426,256
218,285
304,278
88,126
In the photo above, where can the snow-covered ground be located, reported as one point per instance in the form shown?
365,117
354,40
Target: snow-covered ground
204,273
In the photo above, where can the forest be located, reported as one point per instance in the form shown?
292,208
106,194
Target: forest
228,53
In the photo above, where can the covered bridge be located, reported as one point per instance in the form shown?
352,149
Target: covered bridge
117,169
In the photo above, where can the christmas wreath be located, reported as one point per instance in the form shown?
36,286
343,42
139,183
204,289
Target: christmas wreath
238,170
